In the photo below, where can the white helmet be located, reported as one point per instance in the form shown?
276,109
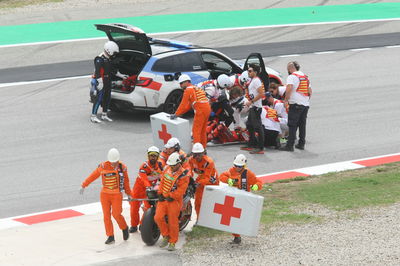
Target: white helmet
173,143
240,160
113,155
244,77
173,159
224,81
153,149
197,148
183,78
111,48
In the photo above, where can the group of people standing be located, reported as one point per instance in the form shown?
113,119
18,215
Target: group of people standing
265,116
169,173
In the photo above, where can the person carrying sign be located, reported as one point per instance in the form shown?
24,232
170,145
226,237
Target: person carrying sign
242,178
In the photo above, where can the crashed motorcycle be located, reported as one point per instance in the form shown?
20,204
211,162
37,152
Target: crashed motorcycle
149,230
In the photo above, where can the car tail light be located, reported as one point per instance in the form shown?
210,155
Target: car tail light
144,82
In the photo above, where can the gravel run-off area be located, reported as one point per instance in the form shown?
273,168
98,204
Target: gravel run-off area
368,236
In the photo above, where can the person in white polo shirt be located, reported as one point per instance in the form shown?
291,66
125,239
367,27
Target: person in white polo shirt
298,93
254,125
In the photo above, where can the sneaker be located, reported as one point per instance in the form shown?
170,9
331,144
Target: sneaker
237,240
298,146
257,151
110,240
133,229
164,242
94,119
171,247
104,117
125,233
287,148
283,140
246,148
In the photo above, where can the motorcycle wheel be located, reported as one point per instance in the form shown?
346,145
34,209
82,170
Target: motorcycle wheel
149,230
185,215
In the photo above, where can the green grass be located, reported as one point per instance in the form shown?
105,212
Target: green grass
285,200
23,3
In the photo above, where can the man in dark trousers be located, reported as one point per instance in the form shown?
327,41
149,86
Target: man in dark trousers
298,94
103,69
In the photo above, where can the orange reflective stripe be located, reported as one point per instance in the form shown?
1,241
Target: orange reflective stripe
200,95
271,114
304,85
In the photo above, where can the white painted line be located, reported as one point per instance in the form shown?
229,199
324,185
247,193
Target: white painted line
289,55
2,85
360,49
326,52
393,46
218,29
329,168
9,223
91,208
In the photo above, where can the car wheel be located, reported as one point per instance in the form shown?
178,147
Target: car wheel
172,102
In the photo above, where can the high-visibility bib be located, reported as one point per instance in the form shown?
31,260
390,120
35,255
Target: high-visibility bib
304,85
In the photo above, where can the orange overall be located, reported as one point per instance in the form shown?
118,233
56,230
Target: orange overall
111,195
206,175
148,176
194,97
242,180
172,185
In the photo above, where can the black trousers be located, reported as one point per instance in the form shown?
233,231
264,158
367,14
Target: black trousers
227,111
270,137
254,126
297,118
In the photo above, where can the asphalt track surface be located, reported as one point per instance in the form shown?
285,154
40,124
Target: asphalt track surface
49,146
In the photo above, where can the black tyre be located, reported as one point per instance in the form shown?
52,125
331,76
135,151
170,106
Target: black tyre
149,230
185,215
172,102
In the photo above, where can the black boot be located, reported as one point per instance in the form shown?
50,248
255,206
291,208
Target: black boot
237,240
299,146
125,233
133,229
287,148
110,240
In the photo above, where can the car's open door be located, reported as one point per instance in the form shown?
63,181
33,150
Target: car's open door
127,37
256,58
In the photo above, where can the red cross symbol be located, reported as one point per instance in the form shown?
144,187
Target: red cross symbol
227,210
163,134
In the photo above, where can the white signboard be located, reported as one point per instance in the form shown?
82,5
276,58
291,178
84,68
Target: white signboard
164,128
230,209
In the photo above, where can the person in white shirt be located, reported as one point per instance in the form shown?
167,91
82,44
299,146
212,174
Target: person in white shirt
256,93
270,121
298,94
280,108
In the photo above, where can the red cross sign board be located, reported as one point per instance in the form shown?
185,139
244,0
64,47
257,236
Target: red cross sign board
230,209
163,128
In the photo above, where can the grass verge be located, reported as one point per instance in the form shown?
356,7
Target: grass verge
22,3
292,200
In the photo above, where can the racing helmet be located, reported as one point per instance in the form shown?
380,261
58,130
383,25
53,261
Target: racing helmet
111,48
240,160
197,148
173,159
113,155
173,143
244,77
224,81
153,150
183,78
